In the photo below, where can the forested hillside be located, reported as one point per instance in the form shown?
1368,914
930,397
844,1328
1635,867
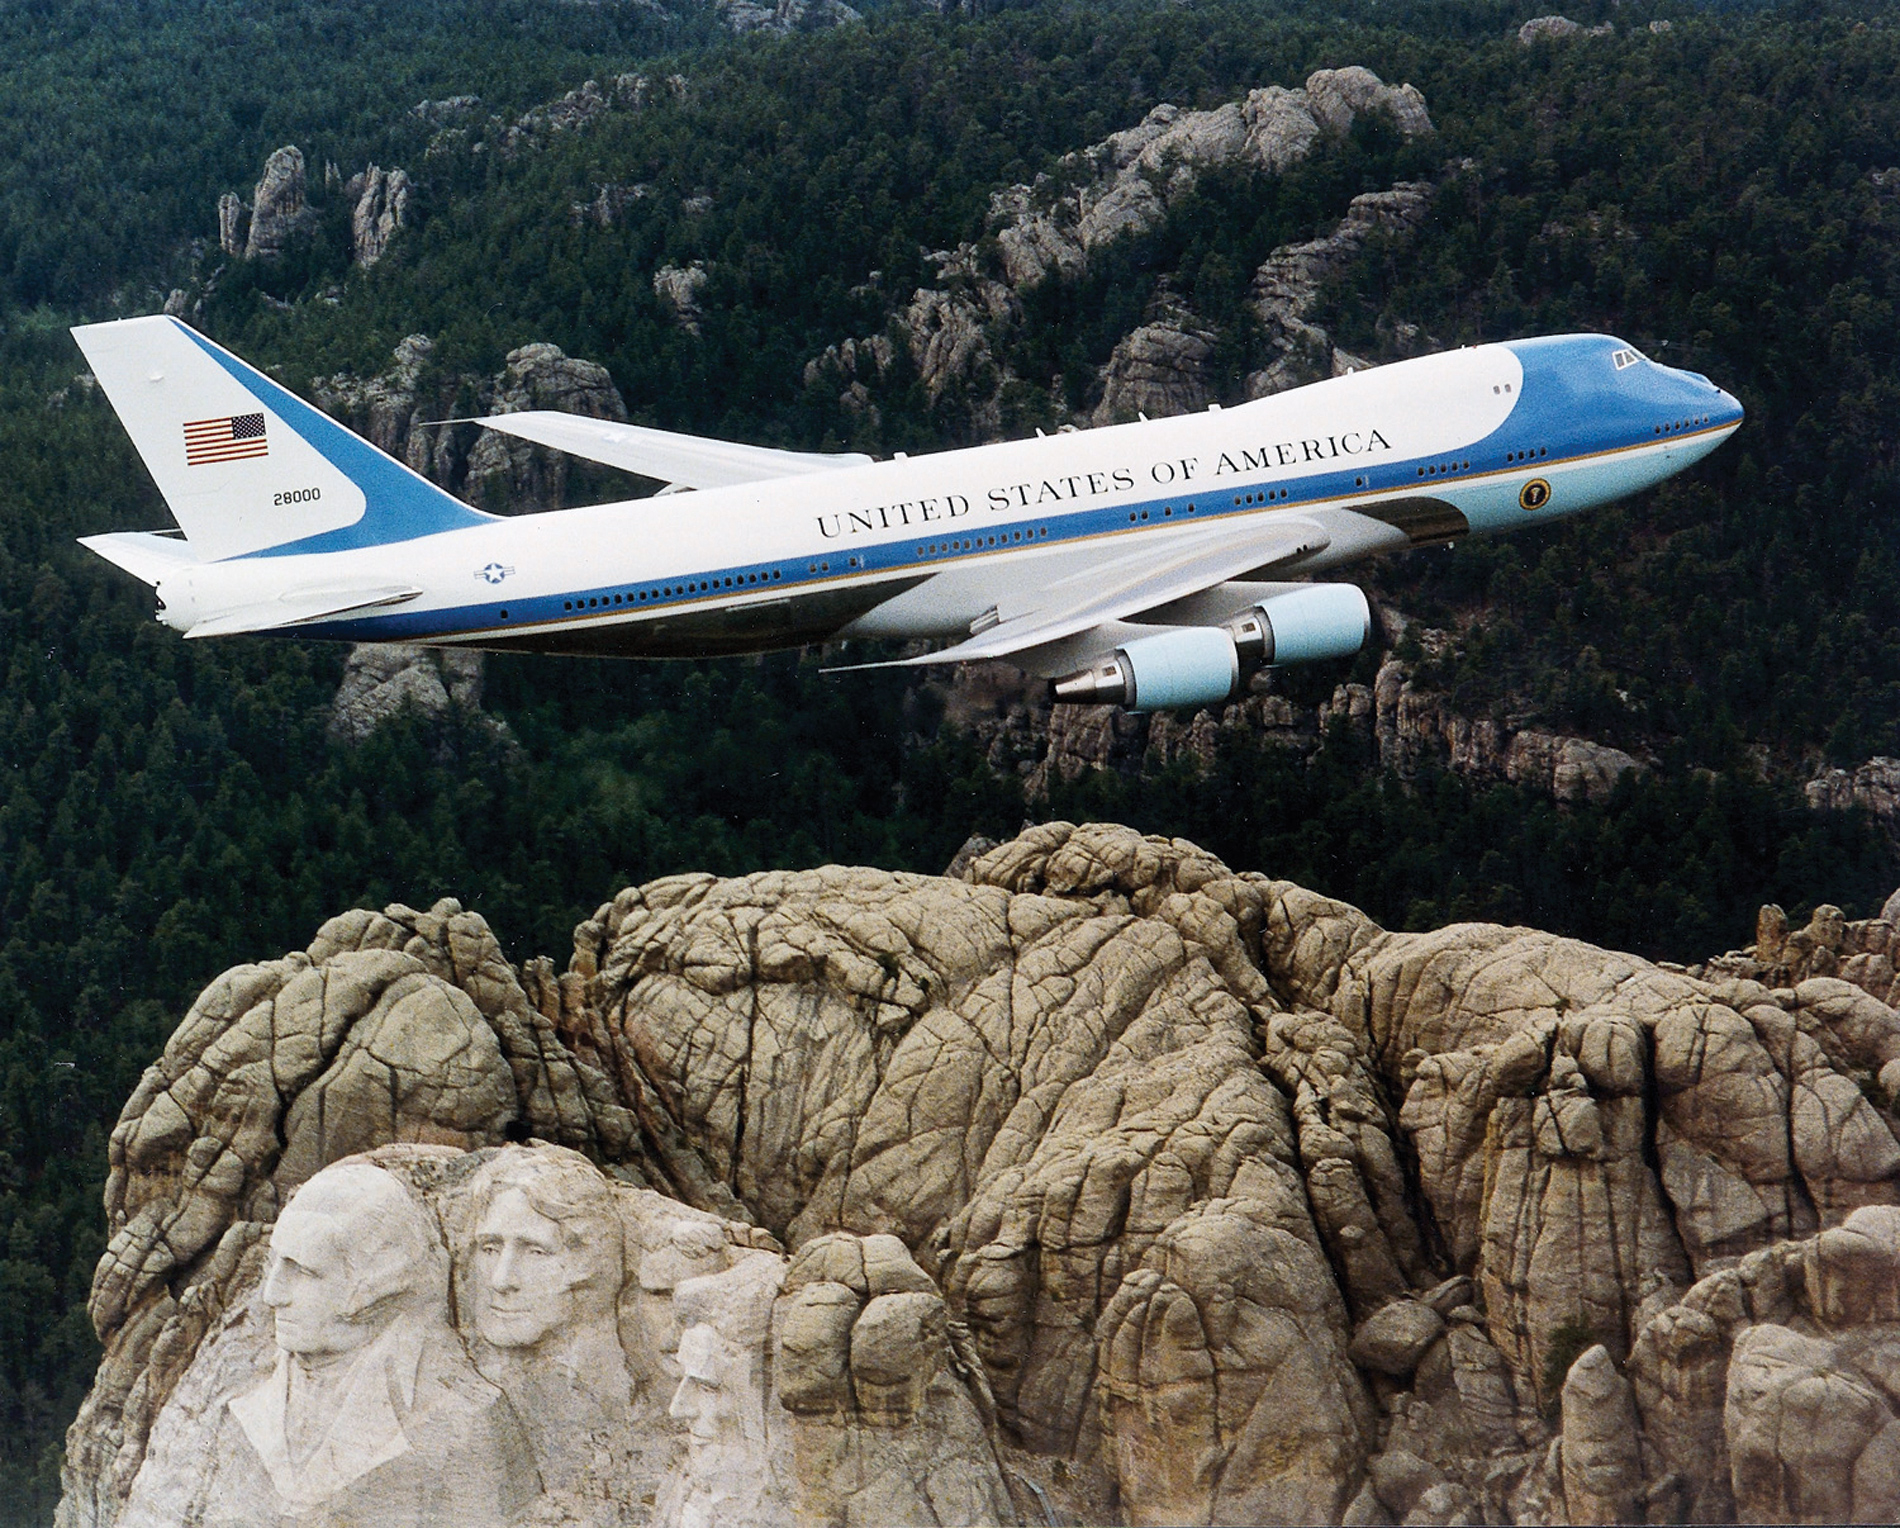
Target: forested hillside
1724,193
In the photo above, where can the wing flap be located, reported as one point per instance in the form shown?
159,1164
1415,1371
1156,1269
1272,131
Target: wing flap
1128,586
691,461
295,606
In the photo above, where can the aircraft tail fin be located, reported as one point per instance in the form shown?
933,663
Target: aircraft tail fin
246,467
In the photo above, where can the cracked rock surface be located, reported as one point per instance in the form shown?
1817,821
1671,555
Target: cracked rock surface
1115,1183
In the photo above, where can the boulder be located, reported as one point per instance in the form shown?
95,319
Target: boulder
1394,1338
1602,1455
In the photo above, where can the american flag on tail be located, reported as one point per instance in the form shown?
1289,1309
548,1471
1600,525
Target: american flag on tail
224,440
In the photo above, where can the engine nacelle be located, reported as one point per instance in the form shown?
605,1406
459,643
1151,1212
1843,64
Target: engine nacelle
1304,625
1183,666
1203,665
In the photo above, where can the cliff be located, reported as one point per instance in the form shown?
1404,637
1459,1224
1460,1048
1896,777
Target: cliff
959,331
1118,1184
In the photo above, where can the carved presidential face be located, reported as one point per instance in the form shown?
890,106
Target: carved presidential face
689,1249
710,1398
311,1288
532,1279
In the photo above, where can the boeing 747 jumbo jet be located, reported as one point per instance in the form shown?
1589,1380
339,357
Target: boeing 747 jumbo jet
1150,565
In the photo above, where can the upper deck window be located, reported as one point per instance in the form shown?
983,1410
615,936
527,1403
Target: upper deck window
1625,358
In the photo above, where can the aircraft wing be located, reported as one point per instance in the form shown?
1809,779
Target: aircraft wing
690,461
1128,585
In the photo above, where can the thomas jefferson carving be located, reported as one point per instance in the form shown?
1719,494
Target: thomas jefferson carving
543,1273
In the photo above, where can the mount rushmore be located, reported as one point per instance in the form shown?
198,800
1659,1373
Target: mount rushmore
1090,1182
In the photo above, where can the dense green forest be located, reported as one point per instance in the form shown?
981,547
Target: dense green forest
1710,192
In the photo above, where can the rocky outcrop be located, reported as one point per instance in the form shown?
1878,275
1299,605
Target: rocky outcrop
1558,28
394,410
1766,1392
1124,185
379,201
384,408
1830,961
504,472
1287,287
578,109
1874,787
1122,188
447,111
1157,370
785,16
278,206
381,679
1184,1195
379,205
1410,726
609,205
680,287
890,1414
233,223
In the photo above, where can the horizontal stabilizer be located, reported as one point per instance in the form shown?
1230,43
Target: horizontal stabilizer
1131,585
691,461
146,555
296,606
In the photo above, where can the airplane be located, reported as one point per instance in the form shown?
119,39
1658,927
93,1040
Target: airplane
1154,565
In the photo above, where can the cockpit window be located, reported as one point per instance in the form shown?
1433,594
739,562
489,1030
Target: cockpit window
1626,358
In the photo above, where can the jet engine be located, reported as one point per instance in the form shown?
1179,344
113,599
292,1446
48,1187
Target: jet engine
1304,625
1203,665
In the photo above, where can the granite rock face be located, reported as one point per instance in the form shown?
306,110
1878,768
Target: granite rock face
278,206
1833,963
233,221
1114,1179
503,471
1557,29
785,16
1287,286
1409,726
1099,196
395,410
1873,786
680,287
1157,370
381,678
379,205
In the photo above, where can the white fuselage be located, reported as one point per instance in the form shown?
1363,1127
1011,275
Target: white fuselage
1481,440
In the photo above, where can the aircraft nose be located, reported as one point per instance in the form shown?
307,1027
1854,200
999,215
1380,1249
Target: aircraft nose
1693,390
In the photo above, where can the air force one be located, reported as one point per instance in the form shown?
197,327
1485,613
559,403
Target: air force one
1150,565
